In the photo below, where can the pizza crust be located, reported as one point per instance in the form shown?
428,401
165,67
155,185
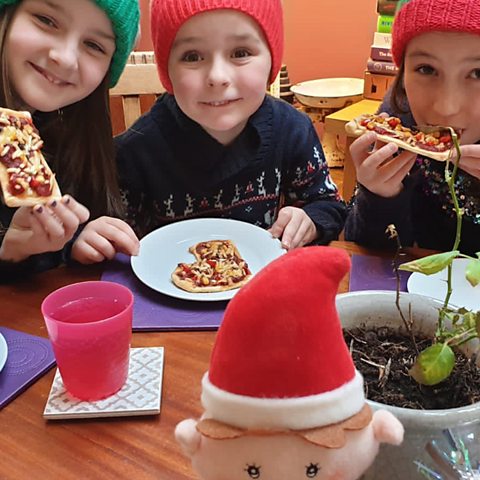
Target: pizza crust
355,129
190,286
24,199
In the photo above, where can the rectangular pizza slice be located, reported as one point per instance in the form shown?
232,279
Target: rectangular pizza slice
25,177
436,144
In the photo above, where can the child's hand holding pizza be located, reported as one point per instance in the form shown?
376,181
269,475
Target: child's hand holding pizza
43,228
294,227
378,171
102,238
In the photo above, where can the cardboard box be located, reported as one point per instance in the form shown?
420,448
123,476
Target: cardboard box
376,85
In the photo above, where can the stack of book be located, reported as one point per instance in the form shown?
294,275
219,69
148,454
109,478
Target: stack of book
381,70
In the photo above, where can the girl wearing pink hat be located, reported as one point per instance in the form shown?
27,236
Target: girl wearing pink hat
216,144
436,45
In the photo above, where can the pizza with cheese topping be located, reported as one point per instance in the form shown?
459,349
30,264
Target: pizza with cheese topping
437,144
218,267
25,177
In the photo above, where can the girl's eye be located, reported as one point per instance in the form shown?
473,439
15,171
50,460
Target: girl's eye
475,74
253,471
425,70
191,57
95,46
45,20
241,53
312,470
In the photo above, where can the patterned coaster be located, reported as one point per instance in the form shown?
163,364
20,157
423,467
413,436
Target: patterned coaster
141,394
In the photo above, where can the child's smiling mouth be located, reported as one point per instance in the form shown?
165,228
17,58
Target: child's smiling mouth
53,79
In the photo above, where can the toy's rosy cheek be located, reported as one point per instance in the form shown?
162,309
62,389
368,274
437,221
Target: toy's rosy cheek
253,471
312,470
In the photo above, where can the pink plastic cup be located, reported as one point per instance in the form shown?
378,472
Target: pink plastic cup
90,327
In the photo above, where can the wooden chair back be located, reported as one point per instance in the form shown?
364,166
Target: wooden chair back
138,80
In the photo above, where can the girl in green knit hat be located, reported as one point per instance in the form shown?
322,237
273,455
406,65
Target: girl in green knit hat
58,60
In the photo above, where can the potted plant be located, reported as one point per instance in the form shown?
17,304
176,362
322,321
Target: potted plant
415,315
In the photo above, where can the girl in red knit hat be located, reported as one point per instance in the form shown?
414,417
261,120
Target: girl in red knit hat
216,144
436,45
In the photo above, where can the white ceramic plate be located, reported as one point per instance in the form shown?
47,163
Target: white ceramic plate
435,286
3,351
162,249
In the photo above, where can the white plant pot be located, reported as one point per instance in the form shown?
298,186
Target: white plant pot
377,308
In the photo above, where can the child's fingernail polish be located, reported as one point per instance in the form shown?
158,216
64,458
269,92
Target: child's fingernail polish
39,210
53,204
66,199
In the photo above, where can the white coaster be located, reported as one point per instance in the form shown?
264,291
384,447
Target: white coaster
141,394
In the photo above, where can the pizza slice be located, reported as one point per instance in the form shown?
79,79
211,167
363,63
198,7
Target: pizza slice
218,267
216,249
25,177
436,144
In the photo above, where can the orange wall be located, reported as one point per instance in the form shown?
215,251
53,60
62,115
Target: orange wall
328,38
323,38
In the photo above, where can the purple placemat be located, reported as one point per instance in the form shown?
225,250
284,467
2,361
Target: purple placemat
29,357
375,273
154,311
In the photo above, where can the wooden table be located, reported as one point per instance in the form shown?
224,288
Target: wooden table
335,123
117,448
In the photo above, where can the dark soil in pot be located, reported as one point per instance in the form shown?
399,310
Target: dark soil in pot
384,356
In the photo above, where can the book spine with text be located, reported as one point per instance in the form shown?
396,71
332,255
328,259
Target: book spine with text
386,7
385,23
382,40
381,54
385,68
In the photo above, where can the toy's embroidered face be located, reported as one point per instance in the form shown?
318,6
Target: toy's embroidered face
253,471
311,470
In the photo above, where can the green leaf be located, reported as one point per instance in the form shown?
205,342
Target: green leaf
472,272
433,365
431,264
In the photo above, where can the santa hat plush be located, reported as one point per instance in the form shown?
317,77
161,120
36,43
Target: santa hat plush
280,361
422,16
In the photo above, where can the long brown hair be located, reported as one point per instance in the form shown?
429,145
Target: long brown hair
78,140
398,100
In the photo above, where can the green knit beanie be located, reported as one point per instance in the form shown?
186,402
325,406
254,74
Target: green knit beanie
125,18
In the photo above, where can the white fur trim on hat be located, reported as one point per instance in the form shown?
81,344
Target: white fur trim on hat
296,413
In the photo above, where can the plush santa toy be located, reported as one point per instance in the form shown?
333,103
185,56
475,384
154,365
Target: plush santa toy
282,398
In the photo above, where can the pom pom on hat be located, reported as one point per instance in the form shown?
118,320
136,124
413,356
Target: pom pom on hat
280,360
125,18
422,16
167,16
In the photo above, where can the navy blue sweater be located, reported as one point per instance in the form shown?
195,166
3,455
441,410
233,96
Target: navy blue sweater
171,169
422,212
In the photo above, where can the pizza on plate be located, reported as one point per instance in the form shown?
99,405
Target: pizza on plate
25,177
436,144
218,267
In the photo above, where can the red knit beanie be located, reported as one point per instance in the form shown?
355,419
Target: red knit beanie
422,16
167,16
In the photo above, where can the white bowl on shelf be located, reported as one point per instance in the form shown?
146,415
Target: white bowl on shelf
329,92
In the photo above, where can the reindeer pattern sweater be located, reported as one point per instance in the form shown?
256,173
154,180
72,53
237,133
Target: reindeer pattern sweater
171,169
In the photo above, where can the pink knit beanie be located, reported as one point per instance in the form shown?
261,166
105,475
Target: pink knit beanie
422,16
167,16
